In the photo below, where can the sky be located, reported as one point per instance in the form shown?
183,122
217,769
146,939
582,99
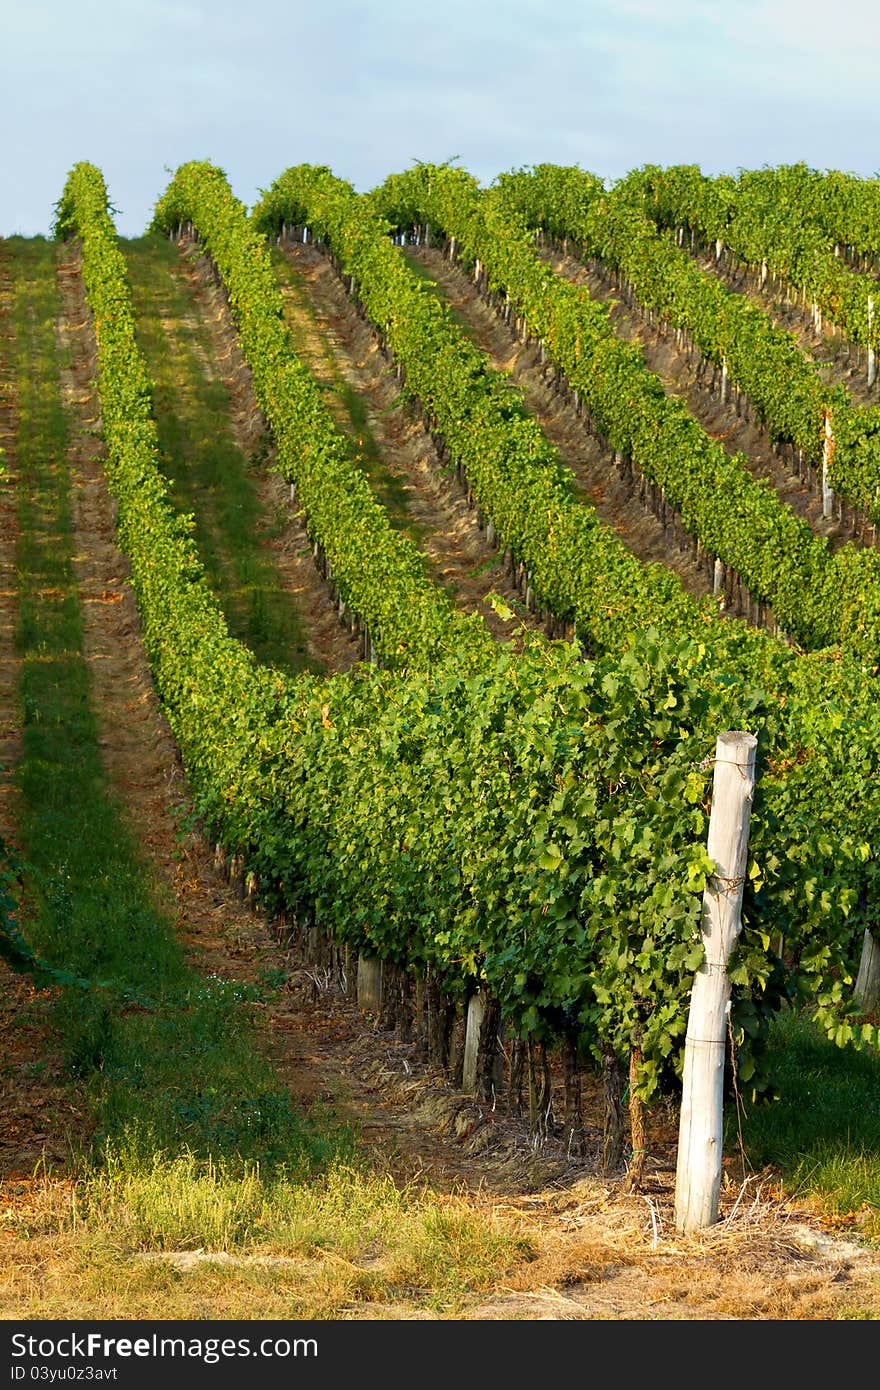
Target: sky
140,86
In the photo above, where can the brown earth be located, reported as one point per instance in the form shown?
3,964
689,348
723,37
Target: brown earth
600,1253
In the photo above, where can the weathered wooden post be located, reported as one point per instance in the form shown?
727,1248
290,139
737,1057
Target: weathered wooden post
867,990
481,1067
476,1010
369,984
827,457
698,1174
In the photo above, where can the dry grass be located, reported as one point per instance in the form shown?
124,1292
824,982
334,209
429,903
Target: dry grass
354,1246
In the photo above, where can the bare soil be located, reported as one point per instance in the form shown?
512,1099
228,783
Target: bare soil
601,1254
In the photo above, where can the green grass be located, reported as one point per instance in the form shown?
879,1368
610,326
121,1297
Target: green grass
824,1131
207,471
364,451
184,1205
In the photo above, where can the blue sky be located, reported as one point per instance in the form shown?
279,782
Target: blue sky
139,86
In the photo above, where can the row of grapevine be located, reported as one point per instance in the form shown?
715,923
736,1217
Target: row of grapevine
846,206
766,218
820,597
762,361
535,823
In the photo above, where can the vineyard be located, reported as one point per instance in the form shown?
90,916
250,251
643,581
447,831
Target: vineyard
382,573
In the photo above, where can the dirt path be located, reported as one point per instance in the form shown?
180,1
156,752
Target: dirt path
596,476
692,383
599,1254
337,345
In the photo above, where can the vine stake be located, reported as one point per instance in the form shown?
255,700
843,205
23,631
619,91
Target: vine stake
698,1175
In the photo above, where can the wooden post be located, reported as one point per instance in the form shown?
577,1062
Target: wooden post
574,1122
350,963
698,1174
475,1010
637,1123
612,1135
476,1013
481,1066
827,456
867,989
369,984
872,359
